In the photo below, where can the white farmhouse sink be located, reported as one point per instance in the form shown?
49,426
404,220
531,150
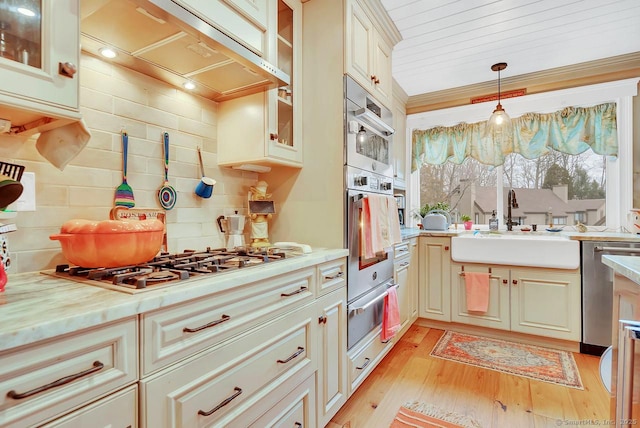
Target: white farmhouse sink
550,251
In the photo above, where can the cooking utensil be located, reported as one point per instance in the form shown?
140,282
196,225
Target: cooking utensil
204,189
110,243
10,191
124,192
166,194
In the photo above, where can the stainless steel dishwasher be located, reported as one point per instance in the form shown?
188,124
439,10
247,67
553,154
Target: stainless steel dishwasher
597,292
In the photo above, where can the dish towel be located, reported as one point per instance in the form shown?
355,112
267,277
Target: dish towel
391,315
60,145
380,224
477,285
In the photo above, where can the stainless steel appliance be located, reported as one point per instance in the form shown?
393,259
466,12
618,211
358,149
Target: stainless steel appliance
368,171
597,293
401,209
170,270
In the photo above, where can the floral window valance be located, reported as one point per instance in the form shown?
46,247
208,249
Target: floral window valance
571,130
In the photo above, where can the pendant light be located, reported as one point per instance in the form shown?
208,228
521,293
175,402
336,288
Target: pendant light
499,126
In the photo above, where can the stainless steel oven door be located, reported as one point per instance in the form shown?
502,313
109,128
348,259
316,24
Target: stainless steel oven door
364,273
365,313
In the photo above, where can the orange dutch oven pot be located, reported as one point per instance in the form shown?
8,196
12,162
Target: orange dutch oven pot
110,243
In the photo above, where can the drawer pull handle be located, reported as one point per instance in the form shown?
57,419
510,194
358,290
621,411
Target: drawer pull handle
97,365
366,363
404,264
295,354
336,276
211,324
221,405
294,292
298,424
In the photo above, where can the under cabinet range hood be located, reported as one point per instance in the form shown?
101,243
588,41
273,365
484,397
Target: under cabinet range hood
162,39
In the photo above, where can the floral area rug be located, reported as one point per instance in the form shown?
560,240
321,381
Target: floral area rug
534,362
423,415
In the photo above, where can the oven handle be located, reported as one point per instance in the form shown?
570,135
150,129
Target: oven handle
369,118
361,309
617,249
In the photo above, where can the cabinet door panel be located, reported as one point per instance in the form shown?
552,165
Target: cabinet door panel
497,314
332,375
401,276
546,303
359,45
435,278
382,70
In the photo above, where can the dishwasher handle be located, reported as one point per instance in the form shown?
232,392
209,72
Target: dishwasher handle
599,249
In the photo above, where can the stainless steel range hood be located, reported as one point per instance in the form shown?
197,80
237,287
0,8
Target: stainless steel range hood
163,40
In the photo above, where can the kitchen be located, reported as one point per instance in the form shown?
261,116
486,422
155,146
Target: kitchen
113,98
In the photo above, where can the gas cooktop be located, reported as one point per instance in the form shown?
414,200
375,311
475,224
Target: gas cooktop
167,270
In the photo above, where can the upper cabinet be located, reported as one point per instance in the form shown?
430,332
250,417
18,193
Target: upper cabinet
265,129
39,55
370,38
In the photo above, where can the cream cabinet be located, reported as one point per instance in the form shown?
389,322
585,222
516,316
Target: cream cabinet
332,390
544,302
368,51
401,148
39,59
174,333
46,380
414,299
434,278
224,385
402,276
265,129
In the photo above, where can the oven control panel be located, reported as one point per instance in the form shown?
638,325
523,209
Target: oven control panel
358,179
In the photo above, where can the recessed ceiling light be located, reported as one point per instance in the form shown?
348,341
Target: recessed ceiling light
26,12
189,85
108,53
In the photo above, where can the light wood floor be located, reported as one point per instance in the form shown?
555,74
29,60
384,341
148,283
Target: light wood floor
495,399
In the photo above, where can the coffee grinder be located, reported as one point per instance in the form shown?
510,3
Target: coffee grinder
233,228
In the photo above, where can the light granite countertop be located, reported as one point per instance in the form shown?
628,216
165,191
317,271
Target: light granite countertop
412,232
628,266
37,306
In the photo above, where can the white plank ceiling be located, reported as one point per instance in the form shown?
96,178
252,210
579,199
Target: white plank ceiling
451,43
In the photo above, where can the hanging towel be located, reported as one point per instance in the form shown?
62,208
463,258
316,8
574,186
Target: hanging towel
380,224
60,145
390,316
477,284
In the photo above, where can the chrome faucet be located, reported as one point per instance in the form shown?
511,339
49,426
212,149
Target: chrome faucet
511,202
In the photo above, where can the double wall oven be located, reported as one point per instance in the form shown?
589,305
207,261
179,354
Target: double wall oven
368,171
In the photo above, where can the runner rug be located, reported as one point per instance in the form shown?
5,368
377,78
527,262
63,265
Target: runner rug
534,362
423,415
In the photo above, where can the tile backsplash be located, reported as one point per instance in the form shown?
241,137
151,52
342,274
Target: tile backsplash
113,98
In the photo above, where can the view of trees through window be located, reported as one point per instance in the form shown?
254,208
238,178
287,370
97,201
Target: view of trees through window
557,188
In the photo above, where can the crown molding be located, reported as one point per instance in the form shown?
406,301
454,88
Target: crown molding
582,74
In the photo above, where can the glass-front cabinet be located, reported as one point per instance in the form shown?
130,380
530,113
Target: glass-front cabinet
264,128
284,104
39,54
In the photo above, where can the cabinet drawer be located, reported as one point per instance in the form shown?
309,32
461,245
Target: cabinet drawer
401,250
171,334
331,276
219,384
118,410
94,361
364,359
296,409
